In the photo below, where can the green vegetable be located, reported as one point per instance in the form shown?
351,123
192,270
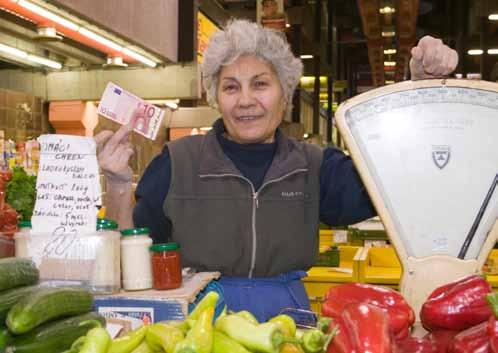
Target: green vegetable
143,348
129,342
323,324
287,324
163,337
16,272
45,305
313,341
248,316
266,338
55,336
97,340
200,338
10,297
5,338
21,192
223,344
209,301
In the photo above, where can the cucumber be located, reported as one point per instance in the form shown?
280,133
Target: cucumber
17,272
5,338
53,337
47,304
10,297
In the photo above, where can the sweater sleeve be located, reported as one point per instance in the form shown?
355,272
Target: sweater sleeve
150,195
343,198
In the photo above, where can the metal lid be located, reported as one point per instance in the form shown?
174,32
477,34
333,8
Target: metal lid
164,247
135,231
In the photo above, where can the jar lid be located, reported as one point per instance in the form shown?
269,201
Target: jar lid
135,231
24,224
106,224
164,247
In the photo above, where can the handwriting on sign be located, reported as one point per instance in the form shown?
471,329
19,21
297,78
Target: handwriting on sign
68,188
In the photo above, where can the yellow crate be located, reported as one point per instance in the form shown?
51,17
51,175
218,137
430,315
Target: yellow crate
326,237
320,279
379,266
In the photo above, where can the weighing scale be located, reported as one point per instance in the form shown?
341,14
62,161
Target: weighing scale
427,152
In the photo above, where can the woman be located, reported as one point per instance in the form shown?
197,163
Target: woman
245,199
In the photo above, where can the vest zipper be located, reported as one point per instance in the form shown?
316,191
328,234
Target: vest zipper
255,205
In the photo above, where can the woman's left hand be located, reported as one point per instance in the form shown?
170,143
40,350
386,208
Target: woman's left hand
431,58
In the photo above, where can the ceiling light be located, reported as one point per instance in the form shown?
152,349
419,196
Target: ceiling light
389,63
98,38
29,57
493,51
139,57
390,51
207,128
387,10
287,25
306,136
493,17
46,62
307,56
388,33
475,52
389,82
48,15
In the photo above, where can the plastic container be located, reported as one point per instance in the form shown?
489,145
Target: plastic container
135,259
166,266
91,261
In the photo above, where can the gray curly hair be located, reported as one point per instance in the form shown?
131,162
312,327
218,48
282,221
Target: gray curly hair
242,37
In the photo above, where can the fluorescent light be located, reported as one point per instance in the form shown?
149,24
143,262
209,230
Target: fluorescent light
48,15
492,51
172,105
139,57
387,10
29,57
389,63
206,128
475,52
13,51
306,56
389,82
388,33
46,62
493,17
389,51
98,38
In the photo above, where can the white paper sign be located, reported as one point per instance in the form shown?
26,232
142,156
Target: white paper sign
68,186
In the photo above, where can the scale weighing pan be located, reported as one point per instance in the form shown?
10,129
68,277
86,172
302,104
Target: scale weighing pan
427,152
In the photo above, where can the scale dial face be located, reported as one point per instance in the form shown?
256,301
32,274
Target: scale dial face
432,154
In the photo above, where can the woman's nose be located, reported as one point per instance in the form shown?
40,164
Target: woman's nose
246,98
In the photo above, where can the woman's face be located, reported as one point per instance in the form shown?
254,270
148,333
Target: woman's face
250,100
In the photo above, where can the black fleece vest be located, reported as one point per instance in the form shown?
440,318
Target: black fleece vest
223,224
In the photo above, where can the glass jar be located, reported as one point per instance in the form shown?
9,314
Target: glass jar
106,272
21,239
135,259
166,266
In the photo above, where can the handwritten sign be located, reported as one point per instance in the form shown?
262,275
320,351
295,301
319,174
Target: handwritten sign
68,186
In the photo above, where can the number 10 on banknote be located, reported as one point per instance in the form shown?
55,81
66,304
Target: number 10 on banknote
124,107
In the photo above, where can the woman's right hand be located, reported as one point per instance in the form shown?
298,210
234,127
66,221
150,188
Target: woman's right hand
113,152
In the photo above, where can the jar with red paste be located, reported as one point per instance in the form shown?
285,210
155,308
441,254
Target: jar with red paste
166,266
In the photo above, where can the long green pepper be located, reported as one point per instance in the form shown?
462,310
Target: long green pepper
163,337
265,338
97,340
200,338
128,342
224,344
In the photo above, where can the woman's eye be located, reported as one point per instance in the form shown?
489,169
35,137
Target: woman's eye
261,84
229,88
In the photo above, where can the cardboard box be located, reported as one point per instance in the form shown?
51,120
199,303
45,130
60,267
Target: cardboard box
150,306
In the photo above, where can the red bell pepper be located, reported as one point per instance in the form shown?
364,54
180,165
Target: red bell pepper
414,345
363,328
441,339
458,305
492,328
472,340
401,315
